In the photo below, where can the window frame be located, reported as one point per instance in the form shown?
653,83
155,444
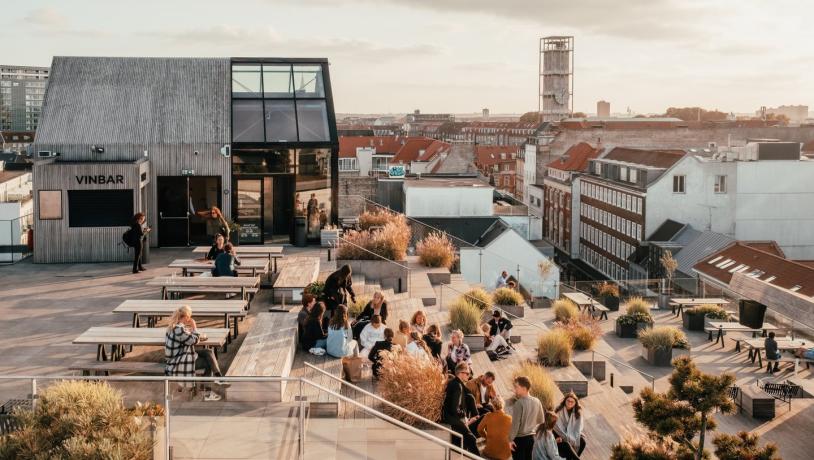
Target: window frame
39,205
679,183
719,186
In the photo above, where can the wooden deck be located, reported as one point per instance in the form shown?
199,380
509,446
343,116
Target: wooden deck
294,274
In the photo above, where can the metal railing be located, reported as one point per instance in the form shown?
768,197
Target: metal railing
377,257
35,380
14,239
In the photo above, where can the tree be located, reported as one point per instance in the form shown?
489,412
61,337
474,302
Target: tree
579,115
695,114
743,446
684,412
530,117
669,264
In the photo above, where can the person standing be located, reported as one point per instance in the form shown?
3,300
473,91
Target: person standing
502,280
338,286
216,224
527,413
495,427
456,412
568,430
312,213
545,445
138,236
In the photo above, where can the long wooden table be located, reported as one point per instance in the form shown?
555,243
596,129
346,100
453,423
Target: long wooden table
678,303
272,253
756,346
585,302
119,337
228,309
254,265
729,326
206,284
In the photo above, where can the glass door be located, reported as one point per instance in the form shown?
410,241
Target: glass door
173,211
248,210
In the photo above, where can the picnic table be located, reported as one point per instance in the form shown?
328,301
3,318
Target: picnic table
756,346
119,337
228,309
244,285
587,303
678,303
730,326
272,253
190,266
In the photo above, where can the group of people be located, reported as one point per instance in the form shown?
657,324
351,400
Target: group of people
518,428
773,353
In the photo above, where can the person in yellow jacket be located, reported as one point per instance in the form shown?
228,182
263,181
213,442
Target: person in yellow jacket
495,427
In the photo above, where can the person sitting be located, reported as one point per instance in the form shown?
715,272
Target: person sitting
308,302
545,445
433,341
313,335
527,413
384,345
772,353
403,334
340,343
502,280
418,322
483,388
805,353
500,326
493,343
227,262
456,411
376,306
372,333
217,247
338,286
457,350
416,346
511,285
495,427
568,430
180,355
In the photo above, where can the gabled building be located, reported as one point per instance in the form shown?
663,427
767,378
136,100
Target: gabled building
373,155
498,163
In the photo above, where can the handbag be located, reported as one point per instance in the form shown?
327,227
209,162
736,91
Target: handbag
352,368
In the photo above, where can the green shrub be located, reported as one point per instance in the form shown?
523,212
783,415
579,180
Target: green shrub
637,305
554,348
78,420
711,311
436,250
355,308
465,316
542,385
314,288
565,310
506,296
663,337
479,297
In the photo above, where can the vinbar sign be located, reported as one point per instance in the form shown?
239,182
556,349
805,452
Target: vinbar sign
100,179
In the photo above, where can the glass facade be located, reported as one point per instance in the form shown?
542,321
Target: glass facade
284,150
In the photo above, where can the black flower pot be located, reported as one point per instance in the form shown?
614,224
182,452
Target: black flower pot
693,322
612,302
629,331
751,313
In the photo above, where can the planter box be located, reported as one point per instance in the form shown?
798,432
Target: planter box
513,311
541,302
611,302
658,356
327,238
630,331
693,322
387,274
569,378
474,342
664,301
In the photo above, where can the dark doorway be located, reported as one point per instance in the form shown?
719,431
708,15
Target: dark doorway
264,207
183,203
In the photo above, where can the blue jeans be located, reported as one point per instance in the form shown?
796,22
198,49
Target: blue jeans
321,343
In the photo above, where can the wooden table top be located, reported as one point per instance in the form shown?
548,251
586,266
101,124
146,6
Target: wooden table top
199,307
699,301
248,250
733,326
782,344
208,281
579,298
259,263
144,336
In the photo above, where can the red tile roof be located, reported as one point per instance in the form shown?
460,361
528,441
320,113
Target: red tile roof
489,155
403,149
775,270
576,157
654,158
766,246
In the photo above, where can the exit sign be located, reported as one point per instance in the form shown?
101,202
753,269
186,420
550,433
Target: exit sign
187,172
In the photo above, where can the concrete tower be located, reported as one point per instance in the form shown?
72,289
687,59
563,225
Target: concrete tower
556,80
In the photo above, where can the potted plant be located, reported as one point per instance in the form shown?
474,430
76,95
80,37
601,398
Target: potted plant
378,254
669,264
465,316
696,318
637,317
659,342
609,293
315,289
510,301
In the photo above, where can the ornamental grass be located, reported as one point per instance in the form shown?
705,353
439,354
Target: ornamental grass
390,242
542,385
663,337
607,289
380,218
479,297
507,296
583,331
708,310
414,383
465,316
637,305
565,310
436,250
554,348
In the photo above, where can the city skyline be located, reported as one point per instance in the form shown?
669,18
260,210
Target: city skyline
452,56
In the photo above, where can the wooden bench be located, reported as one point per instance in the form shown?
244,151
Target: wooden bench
93,367
267,351
756,402
783,392
598,307
735,396
295,273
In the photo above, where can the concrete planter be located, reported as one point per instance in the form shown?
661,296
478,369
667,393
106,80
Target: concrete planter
611,302
630,331
693,322
664,300
474,342
328,238
582,360
541,302
387,274
513,311
154,426
658,356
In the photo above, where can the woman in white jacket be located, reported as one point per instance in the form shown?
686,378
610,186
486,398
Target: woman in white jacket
569,426
372,333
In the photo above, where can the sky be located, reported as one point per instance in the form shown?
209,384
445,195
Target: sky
459,56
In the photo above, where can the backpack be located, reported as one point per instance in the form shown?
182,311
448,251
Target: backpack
127,238
492,355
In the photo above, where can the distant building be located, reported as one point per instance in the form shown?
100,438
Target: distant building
418,117
450,197
556,77
373,155
500,133
22,89
485,115
795,113
15,141
603,109
498,163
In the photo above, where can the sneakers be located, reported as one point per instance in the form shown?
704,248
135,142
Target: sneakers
222,384
212,396
317,351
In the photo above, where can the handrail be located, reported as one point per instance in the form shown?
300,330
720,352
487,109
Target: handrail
371,252
388,403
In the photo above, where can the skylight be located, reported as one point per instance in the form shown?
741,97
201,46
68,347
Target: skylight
737,268
715,260
770,279
795,288
728,263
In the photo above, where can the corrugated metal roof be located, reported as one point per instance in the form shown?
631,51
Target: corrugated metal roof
123,100
703,245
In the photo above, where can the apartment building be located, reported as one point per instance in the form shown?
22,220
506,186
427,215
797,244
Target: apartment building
22,90
499,164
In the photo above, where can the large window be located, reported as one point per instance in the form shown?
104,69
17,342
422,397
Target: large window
679,184
720,184
100,208
279,103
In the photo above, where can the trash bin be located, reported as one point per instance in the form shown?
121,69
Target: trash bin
300,227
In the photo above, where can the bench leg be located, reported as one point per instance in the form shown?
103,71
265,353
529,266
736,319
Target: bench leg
604,315
737,346
135,320
709,337
236,329
759,359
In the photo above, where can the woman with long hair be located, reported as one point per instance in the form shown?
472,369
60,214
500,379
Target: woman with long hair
138,234
545,445
433,341
216,223
417,347
218,247
457,350
419,321
570,440
181,357
402,337
376,306
338,286
313,335
340,341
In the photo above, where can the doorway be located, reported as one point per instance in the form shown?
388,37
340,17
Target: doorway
264,208
183,202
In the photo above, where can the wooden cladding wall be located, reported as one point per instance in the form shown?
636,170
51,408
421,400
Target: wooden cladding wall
54,240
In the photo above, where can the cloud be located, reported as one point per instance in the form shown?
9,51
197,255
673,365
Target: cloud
46,17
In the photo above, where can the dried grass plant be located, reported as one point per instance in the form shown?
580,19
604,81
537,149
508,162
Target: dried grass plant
664,337
507,296
390,242
637,305
583,331
712,311
479,297
554,348
607,289
542,385
641,447
378,218
565,310
78,420
414,383
355,308
465,316
436,250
